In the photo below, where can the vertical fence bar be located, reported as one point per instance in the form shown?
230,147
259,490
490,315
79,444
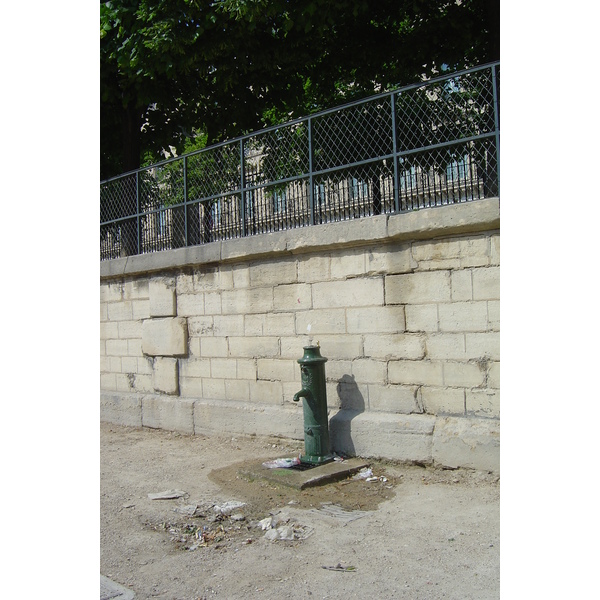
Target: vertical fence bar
242,190
496,124
137,211
395,152
185,203
311,187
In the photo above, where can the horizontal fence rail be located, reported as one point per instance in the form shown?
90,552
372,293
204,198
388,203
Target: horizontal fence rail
419,146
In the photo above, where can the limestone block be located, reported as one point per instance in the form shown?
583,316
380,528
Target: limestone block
194,367
494,375
166,375
109,331
321,321
482,345
266,392
276,369
291,297
416,372
390,346
418,288
443,400
140,309
236,389
446,346
272,272
190,387
253,347
164,412
367,370
121,409
269,324
463,316
486,283
213,304
467,442
366,291
398,437
135,289
462,285
483,402
214,347
390,260
314,268
348,263
231,417
494,315
120,311
228,325
463,374
246,368
223,368
214,388
164,337
421,317
190,305
376,319
404,399
130,329
247,300
200,326
116,347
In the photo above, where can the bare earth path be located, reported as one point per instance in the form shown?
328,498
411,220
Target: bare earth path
410,532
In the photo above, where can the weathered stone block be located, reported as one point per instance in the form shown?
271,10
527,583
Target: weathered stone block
164,337
313,268
214,347
486,283
443,400
366,291
418,288
462,285
190,305
162,299
166,375
121,409
483,402
321,321
416,372
348,263
172,414
403,399
272,272
120,311
390,346
276,369
291,297
376,319
421,317
467,442
247,301
253,347
463,316
194,367
482,345
446,346
462,374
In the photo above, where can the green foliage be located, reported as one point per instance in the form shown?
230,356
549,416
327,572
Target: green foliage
170,68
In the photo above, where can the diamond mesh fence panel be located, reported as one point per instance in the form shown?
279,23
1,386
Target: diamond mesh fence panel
417,147
352,134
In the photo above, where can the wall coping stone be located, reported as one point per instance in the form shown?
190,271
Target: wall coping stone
453,219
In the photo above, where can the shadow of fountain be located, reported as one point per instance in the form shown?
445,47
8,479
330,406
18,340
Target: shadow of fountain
352,403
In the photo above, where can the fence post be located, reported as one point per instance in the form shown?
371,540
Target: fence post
496,124
395,152
242,190
185,203
311,187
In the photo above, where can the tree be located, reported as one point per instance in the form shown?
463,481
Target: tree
227,67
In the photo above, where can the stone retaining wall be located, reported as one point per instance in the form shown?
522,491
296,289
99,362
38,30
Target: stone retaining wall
405,308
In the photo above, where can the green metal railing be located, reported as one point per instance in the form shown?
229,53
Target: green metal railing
420,146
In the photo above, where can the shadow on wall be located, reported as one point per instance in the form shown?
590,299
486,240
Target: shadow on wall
352,403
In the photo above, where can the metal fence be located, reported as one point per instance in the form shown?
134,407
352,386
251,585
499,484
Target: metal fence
416,147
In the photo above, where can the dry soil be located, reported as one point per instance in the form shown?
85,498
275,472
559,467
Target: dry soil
409,532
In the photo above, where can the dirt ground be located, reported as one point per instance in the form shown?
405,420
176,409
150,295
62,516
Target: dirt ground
407,531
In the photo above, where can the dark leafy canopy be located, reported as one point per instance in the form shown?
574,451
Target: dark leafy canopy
184,73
